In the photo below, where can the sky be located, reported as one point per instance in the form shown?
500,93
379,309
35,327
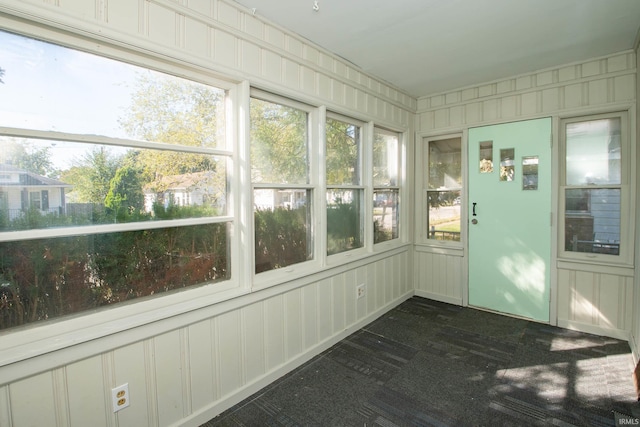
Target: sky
52,88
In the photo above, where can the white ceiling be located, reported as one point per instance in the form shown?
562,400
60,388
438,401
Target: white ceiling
430,46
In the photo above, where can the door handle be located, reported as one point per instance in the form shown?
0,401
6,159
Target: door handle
474,209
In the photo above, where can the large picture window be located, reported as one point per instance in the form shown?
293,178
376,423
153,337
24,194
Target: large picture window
595,185
114,182
345,193
282,193
386,186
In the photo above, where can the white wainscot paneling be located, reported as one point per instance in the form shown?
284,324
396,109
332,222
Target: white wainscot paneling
438,274
598,302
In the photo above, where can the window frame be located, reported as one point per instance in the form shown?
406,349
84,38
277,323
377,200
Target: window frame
398,187
626,244
364,134
39,338
276,276
425,190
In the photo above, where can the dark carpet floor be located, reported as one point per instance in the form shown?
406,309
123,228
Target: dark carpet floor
427,363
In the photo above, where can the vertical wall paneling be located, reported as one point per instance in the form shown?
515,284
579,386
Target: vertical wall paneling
201,373
253,345
168,373
229,348
590,298
87,390
5,407
293,323
32,401
310,315
176,374
275,354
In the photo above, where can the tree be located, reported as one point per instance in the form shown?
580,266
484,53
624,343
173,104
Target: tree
278,143
125,197
26,156
91,176
342,153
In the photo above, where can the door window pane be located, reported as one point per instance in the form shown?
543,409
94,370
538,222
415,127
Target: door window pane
507,164
530,173
486,157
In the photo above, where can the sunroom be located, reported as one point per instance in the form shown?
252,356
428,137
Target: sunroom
212,194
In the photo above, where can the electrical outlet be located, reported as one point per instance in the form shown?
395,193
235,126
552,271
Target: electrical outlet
360,290
120,396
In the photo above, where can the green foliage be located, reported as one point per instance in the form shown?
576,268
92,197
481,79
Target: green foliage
125,198
47,278
278,143
343,156
91,176
344,230
282,237
27,156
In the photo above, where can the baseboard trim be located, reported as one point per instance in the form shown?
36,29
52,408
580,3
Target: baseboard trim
438,297
215,408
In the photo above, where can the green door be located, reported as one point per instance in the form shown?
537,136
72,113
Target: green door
510,218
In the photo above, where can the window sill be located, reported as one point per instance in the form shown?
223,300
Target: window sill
22,343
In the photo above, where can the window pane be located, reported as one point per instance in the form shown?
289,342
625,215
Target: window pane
282,227
98,184
530,173
343,153
100,96
486,157
445,164
592,220
279,152
507,164
345,229
444,215
593,152
385,215
385,159
47,278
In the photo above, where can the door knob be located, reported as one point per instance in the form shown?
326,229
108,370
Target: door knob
474,221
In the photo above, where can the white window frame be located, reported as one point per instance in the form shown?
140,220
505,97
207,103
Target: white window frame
364,168
400,185
626,186
32,340
422,189
277,276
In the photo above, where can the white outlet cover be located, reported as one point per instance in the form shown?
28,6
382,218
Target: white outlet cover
120,397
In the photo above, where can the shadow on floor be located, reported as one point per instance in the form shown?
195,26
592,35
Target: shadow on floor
427,363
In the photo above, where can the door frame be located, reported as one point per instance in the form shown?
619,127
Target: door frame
463,132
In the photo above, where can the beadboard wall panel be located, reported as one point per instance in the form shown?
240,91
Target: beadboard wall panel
595,86
600,83
595,302
439,275
185,373
189,374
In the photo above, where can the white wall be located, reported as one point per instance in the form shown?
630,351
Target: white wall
591,298
187,368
